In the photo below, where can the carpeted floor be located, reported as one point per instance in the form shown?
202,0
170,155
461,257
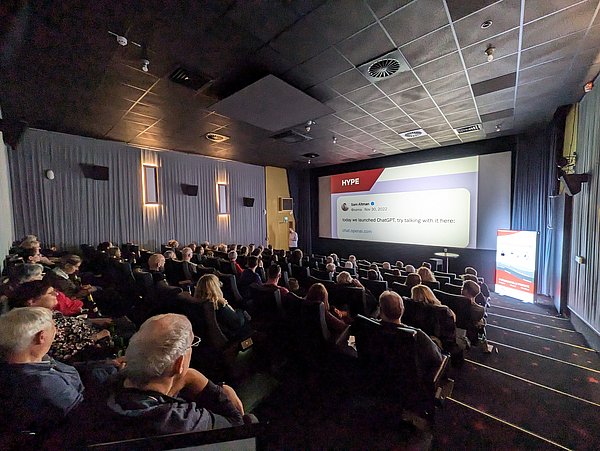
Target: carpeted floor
541,390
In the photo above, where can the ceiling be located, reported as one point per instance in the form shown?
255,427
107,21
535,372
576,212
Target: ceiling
63,70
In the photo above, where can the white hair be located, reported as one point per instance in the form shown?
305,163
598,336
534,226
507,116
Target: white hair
187,251
348,264
153,349
232,255
330,267
344,277
20,325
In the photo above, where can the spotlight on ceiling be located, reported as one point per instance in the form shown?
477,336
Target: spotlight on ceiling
334,139
486,24
308,125
588,86
498,127
310,155
490,53
145,64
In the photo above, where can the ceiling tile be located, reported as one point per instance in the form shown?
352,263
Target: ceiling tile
494,84
549,69
306,30
351,114
338,25
348,81
364,121
399,82
497,115
449,83
299,78
431,46
453,96
420,105
439,68
408,23
504,95
321,92
460,8
263,20
442,129
436,121
498,106
386,115
505,15
384,7
326,65
552,50
432,115
466,104
375,128
463,118
339,104
534,9
494,69
364,95
378,105
505,44
366,45
574,19
410,95
399,122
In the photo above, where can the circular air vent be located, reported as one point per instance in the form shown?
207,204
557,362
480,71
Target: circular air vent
216,138
384,68
412,134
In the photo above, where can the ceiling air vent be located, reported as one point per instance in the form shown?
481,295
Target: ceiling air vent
384,67
216,138
291,137
468,129
413,134
189,79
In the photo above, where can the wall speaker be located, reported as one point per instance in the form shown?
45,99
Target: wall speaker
189,190
248,201
91,171
573,182
286,204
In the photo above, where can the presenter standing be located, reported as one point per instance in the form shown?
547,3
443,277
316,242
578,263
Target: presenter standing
293,239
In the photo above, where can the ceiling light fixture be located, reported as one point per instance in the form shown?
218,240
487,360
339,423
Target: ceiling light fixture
490,53
334,139
487,24
145,64
498,127
588,86
309,123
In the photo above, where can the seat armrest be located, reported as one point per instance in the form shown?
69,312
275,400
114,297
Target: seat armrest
440,373
342,340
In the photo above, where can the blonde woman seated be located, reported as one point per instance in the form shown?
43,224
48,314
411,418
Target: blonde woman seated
231,321
426,274
422,293
344,278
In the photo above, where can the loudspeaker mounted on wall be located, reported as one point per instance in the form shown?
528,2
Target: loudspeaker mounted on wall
189,190
94,172
573,182
248,201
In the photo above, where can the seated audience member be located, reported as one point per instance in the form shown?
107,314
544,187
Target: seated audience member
391,309
396,272
34,247
399,264
476,332
231,321
330,268
348,265
426,265
485,291
373,274
192,246
243,252
329,259
190,270
232,255
344,278
352,259
334,258
410,269
62,277
249,276
157,392
295,287
170,255
296,257
30,255
104,246
412,280
75,338
422,293
273,276
173,244
156,267
36,392
114,253
386,265
426,274
337,320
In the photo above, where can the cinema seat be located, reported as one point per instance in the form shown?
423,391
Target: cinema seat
401,289
353,297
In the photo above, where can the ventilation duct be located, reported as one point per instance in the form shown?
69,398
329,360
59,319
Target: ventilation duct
384,67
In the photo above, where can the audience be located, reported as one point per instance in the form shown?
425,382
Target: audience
337,320
63,278
352,259
344,278
426,274
422,293
409,269
249,276
273,276
156,267
190,270
330,268
232,255
412,280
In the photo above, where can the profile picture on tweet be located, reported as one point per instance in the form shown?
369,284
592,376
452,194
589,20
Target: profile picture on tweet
345,206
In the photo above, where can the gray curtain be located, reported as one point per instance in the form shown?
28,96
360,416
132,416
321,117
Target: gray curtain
584,279
531,190
71,209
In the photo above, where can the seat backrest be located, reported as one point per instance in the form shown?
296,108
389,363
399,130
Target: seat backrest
451,275
312,332
300,273
391,278
226,266
443,280
310,281
318,274
434,285
230,289
376,287
388,354
353,297
452,288
363,272
401,289
174,271
460,305
431,319
266,301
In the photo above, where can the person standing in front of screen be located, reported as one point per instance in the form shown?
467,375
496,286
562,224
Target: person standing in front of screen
293,239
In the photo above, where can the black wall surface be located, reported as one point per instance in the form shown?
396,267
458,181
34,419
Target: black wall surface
483,260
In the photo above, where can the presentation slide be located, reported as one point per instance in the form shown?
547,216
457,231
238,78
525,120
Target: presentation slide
516,256
436,203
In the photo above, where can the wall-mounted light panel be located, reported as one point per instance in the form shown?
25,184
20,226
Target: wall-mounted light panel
223,205
150,181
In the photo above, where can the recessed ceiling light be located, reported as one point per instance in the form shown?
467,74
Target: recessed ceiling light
216,137
310,155
486,24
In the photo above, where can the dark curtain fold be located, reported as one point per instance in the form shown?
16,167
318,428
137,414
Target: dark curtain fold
531,198
299,183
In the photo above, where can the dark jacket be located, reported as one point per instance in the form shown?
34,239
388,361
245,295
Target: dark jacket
37,396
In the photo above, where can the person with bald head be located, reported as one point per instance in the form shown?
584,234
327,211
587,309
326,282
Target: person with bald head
391,309
158,393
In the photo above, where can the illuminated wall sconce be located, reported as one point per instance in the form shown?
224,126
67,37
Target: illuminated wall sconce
223,205
150,182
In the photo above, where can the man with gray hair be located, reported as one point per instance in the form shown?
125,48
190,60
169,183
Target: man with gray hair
158,393
36,392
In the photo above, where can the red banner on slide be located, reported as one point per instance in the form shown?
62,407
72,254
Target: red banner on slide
507,232
354,181
509,280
